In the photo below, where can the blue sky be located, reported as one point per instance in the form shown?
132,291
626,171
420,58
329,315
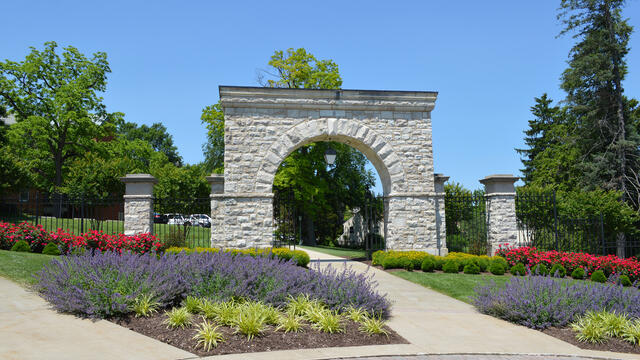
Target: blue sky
487,60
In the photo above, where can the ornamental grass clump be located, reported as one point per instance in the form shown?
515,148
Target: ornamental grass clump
542,301
329,322
373,326
178,318
208,335
289,323
145,305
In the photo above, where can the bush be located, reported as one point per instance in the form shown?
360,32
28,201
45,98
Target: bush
540,269
451,267
391,263
438,262
428,265
407,264
518,270
21,246
609,264
558,270
625,281
301,258
471,269
107,284
598,276
578,273
540,301
378,257
51,249
497,268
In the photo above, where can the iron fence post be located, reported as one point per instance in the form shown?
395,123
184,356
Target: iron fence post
555,222
602,234
37,210
82,214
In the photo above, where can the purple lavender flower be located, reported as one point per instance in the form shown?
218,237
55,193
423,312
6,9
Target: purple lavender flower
542,301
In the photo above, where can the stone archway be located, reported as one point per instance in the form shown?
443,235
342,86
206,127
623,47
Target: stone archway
264,125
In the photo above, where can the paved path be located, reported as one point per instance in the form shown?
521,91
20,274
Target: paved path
433,324
29,329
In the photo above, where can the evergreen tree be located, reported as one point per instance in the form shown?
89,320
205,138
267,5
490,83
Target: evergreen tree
607,139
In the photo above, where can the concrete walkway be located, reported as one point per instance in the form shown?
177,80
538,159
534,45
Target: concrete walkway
433,323
29,329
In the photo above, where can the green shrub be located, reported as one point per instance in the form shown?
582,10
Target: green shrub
472,269
501,260
540,269
450,266
558,270
377,258
392,263
438,262
407,264
578,273
51,249
21,246
625,281
300,257
598,276
428,265
483,263
497,268
518,270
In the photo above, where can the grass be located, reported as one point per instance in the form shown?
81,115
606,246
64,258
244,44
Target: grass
338,251
20,267
458,286
197,236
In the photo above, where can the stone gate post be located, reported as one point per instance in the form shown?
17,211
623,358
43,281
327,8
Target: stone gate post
441,229
502,227
216,181
138,203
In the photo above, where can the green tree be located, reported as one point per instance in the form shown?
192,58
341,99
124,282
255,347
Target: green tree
156,135
60,116
608,140
299,69
213,149
12,175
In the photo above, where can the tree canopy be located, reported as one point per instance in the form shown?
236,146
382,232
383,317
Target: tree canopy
156,135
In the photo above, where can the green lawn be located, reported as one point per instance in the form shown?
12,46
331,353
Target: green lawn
458,286
20,266
337,251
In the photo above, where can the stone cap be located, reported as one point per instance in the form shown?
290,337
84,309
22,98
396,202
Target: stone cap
499,184
216,181
439,180
139,178
326,99
139,184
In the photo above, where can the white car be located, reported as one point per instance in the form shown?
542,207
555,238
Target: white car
175,219
203,220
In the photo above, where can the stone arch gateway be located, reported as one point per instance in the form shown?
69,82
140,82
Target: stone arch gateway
391,128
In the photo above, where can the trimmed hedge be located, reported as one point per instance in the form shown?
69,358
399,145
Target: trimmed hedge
398,260
300,257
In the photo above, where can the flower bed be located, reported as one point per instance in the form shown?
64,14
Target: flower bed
610,264
107,284
38,238
542,301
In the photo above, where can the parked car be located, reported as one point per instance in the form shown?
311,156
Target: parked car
160,218
203,220
176,219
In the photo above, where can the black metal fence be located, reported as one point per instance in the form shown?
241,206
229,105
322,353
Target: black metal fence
182,222
286,220
466,223
76,215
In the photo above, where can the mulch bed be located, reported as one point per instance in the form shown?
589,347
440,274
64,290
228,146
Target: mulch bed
269,341
615,345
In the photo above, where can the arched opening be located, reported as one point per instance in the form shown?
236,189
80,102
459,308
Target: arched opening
330,205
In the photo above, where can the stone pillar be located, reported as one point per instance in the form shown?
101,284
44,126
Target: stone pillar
502,228
441,229
216,181
138,203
